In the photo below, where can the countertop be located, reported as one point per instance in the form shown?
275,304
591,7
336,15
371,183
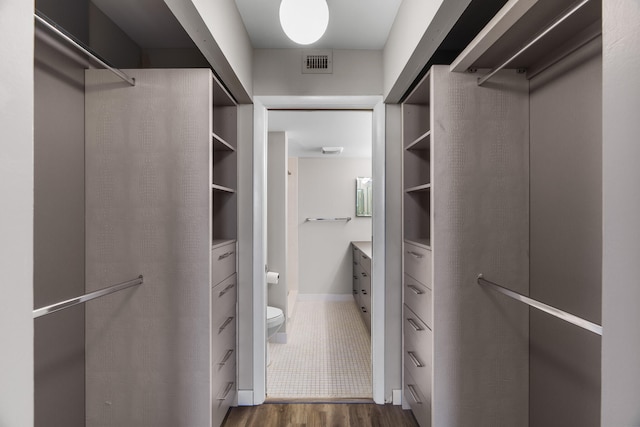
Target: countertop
365,247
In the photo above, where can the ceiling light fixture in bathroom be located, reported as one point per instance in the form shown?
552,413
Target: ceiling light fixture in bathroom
304,21
332,150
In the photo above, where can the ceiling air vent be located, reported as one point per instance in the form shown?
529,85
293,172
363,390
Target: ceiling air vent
317,61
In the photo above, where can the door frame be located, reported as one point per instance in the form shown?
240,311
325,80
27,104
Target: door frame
260,121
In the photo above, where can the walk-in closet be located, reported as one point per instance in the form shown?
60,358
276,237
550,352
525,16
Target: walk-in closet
502,182
136,176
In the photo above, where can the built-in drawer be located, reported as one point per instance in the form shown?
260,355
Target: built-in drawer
223,348
223,298
419,400
419,298
417,348
417,263
223,262
365,262
223,393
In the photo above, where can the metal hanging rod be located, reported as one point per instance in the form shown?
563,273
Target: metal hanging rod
348,218
68,38
554,24
556,312
87,297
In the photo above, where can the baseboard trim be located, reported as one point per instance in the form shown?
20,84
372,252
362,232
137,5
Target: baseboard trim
325,297
245,397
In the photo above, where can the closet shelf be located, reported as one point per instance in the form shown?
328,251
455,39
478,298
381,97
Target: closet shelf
216,243
220,188
423,187
423,243
422,142
219,144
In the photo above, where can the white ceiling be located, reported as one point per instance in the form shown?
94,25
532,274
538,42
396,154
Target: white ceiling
353,24
309,131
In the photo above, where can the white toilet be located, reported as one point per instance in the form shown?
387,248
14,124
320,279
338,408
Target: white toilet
275,319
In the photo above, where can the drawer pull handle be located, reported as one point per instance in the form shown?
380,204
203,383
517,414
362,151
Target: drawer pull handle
227,390
415,289
364,274
224,325
364,292
226,255
415,254
225,290
414,325
355,292
355,277
226,357
412,390
355,262
414,359
364,309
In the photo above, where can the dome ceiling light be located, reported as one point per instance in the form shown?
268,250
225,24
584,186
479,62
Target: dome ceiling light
304,21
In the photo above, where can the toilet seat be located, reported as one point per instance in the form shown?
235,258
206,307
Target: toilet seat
273,312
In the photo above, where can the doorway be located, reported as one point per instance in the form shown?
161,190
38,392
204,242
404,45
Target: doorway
262,107
318,330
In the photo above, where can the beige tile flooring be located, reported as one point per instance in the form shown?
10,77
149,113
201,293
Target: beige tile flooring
327,356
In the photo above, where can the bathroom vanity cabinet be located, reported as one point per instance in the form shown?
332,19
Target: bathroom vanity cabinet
361,255
161,201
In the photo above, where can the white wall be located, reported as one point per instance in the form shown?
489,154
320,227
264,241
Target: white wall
279,72
621,210
217,29
327,188
419,28
16,215
277,219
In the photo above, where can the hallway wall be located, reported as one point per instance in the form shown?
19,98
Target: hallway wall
327,188
279,72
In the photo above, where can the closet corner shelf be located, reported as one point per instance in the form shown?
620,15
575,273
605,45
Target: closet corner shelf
216,243
421,143
423,243
423,187
217,187
220,144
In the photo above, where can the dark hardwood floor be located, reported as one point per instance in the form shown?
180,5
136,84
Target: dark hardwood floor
319,415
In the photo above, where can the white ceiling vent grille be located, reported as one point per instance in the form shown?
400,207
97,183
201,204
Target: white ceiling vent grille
317,61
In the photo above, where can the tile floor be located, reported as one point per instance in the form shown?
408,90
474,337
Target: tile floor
328,354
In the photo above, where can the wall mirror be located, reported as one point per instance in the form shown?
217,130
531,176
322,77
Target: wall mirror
364,192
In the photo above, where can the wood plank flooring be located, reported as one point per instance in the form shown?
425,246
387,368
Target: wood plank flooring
320,415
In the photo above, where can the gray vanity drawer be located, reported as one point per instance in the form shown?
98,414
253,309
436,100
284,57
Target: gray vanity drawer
417,263
417,348
365,262
419,298
419,399
223,262
356,253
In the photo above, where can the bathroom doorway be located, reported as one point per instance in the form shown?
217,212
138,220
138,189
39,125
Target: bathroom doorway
263,108
319,221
